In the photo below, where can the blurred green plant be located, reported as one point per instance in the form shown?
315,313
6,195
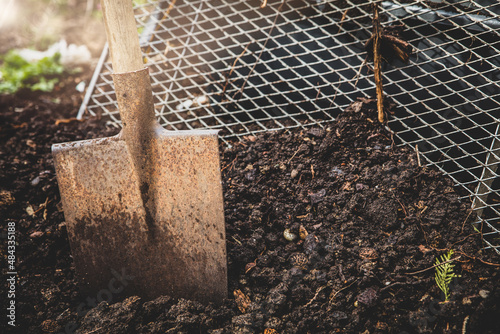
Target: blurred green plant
17,73
444,273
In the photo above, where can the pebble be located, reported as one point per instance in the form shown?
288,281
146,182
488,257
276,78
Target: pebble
484,293
80,87
318,196
35,181
294,173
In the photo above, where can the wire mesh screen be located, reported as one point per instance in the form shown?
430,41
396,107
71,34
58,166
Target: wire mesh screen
246,66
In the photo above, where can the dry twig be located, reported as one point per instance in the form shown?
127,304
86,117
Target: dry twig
377,63
262,50
233,67
165,15
434,266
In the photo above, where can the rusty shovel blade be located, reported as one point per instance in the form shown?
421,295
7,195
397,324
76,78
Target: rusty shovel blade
178,249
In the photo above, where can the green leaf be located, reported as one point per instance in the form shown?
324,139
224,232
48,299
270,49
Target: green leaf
444,273
17,73
45,85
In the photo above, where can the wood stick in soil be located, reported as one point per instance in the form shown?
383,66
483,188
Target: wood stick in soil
377,62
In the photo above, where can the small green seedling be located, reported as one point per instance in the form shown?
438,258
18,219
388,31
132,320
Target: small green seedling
444,273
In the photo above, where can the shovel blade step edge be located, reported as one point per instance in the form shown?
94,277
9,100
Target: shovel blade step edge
182,253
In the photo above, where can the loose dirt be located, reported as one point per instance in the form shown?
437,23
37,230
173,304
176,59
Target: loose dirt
329,230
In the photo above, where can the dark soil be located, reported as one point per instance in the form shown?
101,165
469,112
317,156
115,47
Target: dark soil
363,220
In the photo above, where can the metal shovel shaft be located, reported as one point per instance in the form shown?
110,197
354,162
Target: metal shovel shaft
134,96
140,128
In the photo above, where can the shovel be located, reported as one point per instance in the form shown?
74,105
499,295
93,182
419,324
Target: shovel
143,209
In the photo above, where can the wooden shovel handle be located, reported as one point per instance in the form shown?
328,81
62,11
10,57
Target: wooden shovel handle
133,89
122,34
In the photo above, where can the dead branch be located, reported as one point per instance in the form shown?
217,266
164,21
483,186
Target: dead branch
377,61
262,50
434,266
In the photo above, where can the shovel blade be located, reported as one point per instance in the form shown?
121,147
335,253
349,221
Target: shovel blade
115,247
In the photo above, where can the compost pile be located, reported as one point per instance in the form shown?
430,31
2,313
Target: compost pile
328,230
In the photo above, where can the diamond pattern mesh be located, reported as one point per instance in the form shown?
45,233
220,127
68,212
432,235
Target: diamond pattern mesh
245,66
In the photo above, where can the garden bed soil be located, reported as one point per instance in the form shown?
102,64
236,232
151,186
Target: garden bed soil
328,231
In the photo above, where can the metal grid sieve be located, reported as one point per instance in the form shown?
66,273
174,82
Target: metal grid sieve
249,66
